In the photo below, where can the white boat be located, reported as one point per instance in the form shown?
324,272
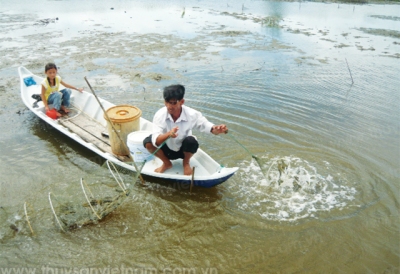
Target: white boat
88,124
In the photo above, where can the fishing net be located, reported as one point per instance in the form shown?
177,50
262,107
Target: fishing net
84,202
100,194
78,203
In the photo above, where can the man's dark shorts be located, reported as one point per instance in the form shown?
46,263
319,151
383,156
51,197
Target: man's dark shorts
189,144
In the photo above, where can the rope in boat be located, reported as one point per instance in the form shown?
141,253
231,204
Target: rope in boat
152,154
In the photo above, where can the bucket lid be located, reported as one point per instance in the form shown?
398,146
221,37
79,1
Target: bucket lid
138,136
123,113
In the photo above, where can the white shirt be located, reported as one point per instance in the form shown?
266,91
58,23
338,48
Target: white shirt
189,119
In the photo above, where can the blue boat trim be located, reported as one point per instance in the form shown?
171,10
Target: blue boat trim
201,183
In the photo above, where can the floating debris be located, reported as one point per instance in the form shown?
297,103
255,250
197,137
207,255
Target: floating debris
14,227
47,21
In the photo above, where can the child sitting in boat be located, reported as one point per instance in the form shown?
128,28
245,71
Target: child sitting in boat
60,99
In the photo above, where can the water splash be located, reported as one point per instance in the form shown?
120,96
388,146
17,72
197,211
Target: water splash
294,189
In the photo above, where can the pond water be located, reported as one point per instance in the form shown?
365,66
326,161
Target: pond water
309,86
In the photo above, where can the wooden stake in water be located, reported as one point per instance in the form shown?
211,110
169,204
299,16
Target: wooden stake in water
352,82
27,219
87,199
54,212
191,184
121,184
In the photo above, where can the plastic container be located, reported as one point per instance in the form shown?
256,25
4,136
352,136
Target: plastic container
125,119
135,144
52,113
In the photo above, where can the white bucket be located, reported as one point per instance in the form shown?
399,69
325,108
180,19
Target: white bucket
135,145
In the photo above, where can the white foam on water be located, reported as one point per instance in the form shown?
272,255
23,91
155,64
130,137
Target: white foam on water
299,191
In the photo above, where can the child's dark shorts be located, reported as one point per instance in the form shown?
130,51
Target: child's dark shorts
189,144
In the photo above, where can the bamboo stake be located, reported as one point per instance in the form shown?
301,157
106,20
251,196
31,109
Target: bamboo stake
119,137
191,184
121,185
352,82
89,189
54,212
87,199
27,219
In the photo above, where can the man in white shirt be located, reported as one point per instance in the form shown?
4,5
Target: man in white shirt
174,123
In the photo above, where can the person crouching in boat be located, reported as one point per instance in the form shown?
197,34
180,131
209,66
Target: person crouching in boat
173,124
60,99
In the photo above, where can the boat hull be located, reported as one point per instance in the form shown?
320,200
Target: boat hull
208,173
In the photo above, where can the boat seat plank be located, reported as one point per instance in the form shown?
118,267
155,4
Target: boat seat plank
91,126
84,128
85,135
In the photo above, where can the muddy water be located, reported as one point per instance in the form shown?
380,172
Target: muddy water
310,88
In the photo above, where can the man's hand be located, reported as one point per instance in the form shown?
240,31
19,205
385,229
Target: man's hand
173,132
219,129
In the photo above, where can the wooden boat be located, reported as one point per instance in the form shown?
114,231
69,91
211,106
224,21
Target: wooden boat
87,125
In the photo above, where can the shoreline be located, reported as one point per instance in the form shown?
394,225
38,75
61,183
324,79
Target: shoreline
358,2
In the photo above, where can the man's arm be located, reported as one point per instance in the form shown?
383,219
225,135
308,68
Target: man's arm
204,125
170,134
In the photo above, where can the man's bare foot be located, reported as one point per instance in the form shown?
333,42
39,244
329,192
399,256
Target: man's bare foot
163,168
187,170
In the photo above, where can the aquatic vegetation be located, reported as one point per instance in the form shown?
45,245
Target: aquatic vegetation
381,32
393,18
46,21
270,21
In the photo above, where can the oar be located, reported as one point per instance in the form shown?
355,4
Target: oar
119,137
251,154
